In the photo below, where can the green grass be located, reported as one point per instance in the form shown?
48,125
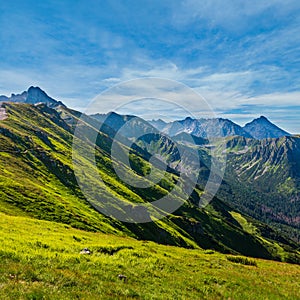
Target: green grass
247,226
37,180
41,260
242,260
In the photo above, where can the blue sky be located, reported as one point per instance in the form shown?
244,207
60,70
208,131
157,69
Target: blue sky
242,56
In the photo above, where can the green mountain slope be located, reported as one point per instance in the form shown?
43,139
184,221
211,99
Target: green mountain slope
42,260
263,180
37,180
262,175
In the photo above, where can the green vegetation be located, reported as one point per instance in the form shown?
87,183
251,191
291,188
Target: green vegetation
37,180
45,221
41,260
247,226
242,260
262,177
262,180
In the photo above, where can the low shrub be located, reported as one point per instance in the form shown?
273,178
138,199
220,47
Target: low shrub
242,260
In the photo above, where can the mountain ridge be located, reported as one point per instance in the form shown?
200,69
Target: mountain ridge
258,128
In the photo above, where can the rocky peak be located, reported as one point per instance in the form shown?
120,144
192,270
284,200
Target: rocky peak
262,128
33,95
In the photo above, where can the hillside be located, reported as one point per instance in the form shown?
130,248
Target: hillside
37,180
41,260
262,180
261,175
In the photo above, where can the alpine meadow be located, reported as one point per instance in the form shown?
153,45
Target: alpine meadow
149,150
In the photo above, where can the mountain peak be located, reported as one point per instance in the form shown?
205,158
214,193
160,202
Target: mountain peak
34,88
158,124
33,95
263,118
261,128
36,95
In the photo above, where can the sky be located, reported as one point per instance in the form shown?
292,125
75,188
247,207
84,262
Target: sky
242,57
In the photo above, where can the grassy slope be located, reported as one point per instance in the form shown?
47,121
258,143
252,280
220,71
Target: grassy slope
34,171
41,260
36,176
36,179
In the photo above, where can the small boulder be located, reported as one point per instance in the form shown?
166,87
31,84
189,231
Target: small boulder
122,277
86,251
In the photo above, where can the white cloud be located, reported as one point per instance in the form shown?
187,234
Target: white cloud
275,99
233,15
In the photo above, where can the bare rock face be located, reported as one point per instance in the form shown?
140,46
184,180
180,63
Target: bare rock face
3,114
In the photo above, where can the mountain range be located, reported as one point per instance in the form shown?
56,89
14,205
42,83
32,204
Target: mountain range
259,128
260,189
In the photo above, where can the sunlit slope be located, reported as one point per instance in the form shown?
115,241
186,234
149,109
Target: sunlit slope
37,180
41,260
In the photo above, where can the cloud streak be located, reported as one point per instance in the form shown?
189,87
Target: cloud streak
242,58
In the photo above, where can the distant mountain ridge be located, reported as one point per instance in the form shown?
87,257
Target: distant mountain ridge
33,95
205,128
259,128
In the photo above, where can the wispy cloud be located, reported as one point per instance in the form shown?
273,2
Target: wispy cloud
215,13
241,57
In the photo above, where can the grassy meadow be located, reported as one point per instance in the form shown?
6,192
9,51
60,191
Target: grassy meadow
41,260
